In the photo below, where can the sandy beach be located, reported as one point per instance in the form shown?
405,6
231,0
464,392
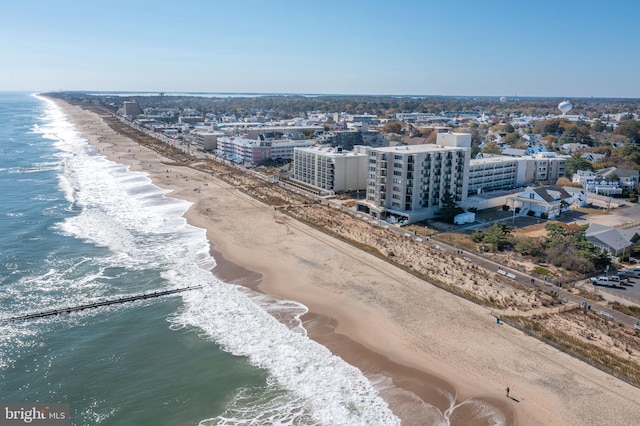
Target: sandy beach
387,322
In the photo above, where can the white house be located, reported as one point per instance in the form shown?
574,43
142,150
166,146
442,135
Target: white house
549,200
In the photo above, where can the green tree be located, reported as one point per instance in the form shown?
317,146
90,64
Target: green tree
503,128
529,246
576,133
498,236
511,138
392,127
630,129
576,162
598,126
491,148
552,126
568,247
448,207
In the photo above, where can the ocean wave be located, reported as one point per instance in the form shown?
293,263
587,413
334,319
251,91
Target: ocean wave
336,392
146,234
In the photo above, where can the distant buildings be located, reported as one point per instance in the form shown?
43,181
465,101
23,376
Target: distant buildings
338,152
131,110
347,139
608,181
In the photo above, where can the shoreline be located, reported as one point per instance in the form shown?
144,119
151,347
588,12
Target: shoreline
350,294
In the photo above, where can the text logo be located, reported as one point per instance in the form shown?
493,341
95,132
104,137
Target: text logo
34,414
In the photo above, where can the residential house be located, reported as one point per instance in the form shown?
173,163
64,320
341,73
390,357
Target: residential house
592,156
615,240
628,178
550,200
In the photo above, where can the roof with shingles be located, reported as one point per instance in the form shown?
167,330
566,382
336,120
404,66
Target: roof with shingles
545,193
616,239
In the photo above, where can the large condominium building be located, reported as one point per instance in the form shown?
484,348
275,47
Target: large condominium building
409,182
330,169
496,172
131,110
254,152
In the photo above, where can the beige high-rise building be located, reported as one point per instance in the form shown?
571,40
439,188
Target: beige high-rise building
409,182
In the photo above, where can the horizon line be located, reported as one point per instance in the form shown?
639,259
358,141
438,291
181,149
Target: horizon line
253,94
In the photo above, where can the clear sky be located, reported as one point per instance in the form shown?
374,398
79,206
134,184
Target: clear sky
558,48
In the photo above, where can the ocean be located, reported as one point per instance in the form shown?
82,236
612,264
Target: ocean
77,228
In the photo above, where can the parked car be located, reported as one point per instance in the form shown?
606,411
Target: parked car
611,281
633,272
625,275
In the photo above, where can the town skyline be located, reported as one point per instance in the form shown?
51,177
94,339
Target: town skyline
559,50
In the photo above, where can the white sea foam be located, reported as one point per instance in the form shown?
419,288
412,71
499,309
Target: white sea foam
122,211
335,392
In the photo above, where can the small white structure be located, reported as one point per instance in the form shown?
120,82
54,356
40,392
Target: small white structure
462,218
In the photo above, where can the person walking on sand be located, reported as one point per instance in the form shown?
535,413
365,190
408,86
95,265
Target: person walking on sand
507,392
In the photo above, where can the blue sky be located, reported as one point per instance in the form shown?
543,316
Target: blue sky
561,48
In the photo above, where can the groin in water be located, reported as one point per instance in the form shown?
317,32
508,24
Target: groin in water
95,305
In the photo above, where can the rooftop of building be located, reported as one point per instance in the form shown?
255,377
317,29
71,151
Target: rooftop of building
493,160
417,148
331,151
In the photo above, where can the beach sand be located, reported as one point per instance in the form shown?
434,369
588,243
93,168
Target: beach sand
387,322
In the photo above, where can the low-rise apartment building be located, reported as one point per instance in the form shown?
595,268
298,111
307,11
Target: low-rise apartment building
253,151
495,173
546,167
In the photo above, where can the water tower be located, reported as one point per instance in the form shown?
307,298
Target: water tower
565,107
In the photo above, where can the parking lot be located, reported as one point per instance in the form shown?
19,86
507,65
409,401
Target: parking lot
629,291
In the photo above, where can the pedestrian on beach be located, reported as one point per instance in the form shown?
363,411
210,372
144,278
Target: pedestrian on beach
507,391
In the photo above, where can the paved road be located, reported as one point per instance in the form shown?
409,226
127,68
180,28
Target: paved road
529,280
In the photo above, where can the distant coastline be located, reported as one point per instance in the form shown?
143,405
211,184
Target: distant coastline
125,93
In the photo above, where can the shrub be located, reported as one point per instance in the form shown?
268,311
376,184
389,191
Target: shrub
541,271
544,215
531,213
505,208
